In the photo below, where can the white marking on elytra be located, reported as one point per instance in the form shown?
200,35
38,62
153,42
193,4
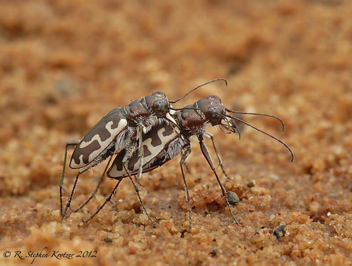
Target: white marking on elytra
144,131
168,116
154,151
103,144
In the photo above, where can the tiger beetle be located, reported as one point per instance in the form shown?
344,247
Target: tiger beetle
119,129
164,142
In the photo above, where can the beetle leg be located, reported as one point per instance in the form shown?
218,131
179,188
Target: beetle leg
185,165
218,156
70,143
108,199
211,164
139,197
97,187
185,154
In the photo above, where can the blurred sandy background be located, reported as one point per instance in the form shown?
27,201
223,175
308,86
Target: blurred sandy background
65,63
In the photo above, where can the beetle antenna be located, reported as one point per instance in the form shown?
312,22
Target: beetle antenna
269,135
259,114
206,83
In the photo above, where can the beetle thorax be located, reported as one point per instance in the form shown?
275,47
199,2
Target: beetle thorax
136,113
191,121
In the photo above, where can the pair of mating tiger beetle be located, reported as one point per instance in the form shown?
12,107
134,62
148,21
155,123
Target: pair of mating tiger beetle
148,133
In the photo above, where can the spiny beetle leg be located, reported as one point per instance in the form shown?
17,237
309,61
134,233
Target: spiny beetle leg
71,196
69,143
139,197
210,162
137,181
218,156
187,168
185,164
185,154
108,199
73,191
97,187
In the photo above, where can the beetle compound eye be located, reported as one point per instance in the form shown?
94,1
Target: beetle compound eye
157,105
215,111
161,107
215,114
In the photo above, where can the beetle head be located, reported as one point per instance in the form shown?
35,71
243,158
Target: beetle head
159,103
213,109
